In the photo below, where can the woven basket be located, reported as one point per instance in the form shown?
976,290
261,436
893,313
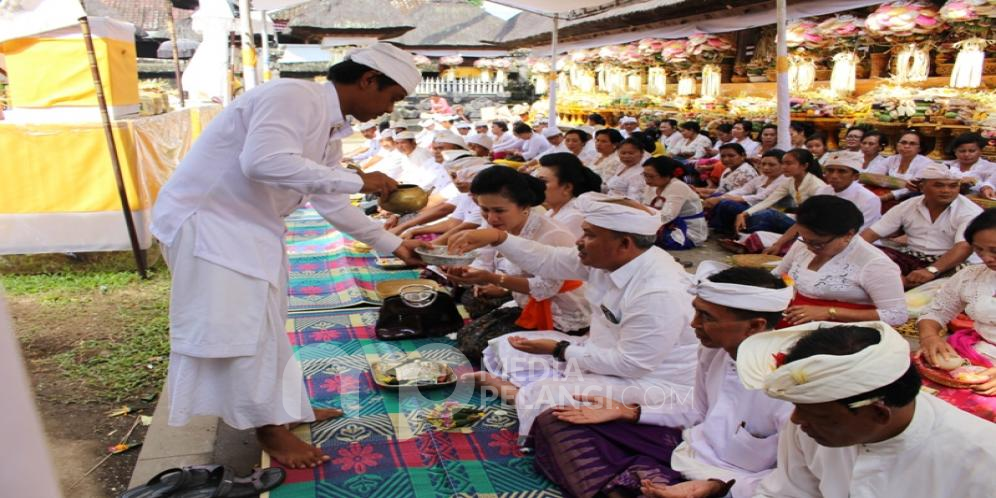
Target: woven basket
765,261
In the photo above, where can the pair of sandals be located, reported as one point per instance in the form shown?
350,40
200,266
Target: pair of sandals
207,481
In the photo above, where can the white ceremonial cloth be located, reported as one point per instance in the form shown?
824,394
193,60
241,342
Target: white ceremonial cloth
640,349
230,357
943,452
275,148
866,201
731,432
860,274
971,290
569,217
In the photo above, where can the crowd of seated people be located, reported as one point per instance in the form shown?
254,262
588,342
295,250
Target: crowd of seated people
631,376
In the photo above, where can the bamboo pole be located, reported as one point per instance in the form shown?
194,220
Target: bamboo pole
782,85
249,80
112,148
552,118
171,23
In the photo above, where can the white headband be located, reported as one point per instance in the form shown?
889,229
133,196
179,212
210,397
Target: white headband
821,378
392,61
938,172
604,211
744,297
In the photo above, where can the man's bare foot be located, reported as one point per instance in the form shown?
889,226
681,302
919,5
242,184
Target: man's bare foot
506,389
288,449
320,415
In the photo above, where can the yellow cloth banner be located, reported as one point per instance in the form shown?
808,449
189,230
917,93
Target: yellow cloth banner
55,168
50,72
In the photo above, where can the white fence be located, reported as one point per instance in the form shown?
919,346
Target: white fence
462,86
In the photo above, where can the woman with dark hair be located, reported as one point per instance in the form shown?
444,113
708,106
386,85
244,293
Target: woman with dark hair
768,139
566,179
505,298
797,134
853,138
576,141
503,141
872,145
979,173
969,291
816,144
684,225
904,164
802,170
741,135
692,145
596,119
838,276
606,162
726,207
738,171
627,180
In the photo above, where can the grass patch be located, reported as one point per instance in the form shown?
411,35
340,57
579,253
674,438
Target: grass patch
103,334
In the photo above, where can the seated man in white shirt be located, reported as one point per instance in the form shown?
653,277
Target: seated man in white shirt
640,348
627,125
533,144
728,442
372,146
463,129
862,428
934,224
480,145
841,172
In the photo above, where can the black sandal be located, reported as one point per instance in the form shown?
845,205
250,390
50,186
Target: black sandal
171,481
225,485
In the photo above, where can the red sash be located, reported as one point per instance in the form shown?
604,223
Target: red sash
801,299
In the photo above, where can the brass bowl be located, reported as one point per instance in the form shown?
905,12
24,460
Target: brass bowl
407,199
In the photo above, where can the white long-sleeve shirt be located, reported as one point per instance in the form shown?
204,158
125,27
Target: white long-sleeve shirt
807,188
641,315
373,147
536,145
676,200
890,166
866,201
971,290
859,274
569,217
626,182
758,188
730,432
696,146
570,309
259,160
506,142
983,171
943,452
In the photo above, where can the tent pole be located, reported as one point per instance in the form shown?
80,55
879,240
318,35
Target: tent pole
552,118
265,50
248,47
781,65
171,23
112,148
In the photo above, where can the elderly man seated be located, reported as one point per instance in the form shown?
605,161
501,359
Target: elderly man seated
862,428
934,224
727,442
640,348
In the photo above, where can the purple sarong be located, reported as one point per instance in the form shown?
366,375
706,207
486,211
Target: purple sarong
585,460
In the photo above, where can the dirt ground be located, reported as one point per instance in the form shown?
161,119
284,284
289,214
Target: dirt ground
83,324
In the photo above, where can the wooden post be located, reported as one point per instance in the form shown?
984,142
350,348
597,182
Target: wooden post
171,23
112,148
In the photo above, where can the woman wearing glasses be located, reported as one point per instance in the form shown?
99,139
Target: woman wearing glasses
905,164
838,276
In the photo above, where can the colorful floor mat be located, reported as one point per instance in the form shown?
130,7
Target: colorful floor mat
384,448
325,271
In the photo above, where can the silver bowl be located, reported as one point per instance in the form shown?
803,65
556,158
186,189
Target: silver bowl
438,256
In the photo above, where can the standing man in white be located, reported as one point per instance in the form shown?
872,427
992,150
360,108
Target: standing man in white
220,220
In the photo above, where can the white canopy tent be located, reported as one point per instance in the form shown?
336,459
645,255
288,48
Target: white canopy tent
577,9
